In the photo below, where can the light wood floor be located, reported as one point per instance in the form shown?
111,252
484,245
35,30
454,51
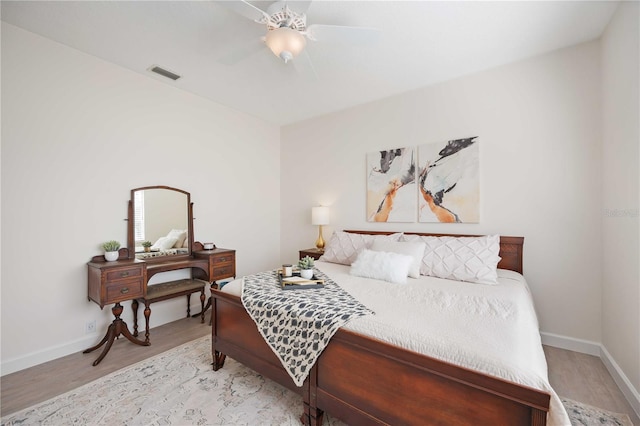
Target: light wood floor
573,375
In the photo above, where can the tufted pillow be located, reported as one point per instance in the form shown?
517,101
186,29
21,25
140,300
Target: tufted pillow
381,265
413,249
472,259
343,247
164,243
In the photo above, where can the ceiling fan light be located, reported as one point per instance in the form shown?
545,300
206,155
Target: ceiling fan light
285,43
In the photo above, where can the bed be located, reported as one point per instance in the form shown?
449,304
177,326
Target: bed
363,378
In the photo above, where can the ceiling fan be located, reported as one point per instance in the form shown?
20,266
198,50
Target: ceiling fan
287,30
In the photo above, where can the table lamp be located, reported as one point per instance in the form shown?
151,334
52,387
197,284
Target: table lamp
320,216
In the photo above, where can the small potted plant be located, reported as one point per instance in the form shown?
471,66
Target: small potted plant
306,267
147,245
111,250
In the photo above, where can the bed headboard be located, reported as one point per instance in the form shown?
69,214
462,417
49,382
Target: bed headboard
510,247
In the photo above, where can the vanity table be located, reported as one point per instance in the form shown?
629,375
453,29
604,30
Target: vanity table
127,278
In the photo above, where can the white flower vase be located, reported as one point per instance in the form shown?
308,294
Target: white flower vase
110,256
307,274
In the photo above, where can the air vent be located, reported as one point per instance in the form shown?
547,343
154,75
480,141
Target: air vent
163,72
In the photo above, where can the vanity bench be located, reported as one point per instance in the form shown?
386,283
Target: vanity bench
207,266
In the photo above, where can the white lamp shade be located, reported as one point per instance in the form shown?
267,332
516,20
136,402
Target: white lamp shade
285,43
320,215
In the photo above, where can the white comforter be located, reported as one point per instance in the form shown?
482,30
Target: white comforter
488,328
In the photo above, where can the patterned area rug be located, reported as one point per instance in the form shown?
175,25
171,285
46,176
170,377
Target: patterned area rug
178,387
583,414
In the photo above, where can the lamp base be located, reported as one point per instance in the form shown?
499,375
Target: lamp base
320,240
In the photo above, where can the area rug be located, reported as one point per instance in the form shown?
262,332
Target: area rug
583,414
178,387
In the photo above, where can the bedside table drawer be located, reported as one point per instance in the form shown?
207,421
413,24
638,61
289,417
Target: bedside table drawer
124,273
124,290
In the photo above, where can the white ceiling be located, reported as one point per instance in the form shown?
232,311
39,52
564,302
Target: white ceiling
220,55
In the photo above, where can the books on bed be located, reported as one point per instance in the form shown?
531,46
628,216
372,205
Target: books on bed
296,282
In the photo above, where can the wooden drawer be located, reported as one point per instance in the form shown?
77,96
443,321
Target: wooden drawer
124,290
224,258
124,273
223,271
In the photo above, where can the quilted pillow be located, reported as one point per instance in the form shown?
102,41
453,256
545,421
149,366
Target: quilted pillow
472,259
381,265
343,247
413,249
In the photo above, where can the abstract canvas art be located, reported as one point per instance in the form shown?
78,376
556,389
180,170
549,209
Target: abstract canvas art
448,181
391,189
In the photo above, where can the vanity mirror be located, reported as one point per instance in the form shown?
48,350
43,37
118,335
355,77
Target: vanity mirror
163,216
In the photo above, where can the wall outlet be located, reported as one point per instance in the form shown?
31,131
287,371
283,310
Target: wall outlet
90,327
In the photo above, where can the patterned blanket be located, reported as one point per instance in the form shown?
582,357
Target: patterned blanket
298,324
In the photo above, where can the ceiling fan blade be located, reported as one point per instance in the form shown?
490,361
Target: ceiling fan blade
299,6
247,10
304,66
341,34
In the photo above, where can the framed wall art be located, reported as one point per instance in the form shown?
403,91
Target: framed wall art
449,181
391,189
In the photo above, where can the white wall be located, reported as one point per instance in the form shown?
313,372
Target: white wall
74,131
620,192
539,125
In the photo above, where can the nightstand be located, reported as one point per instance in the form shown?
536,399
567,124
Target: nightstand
312,252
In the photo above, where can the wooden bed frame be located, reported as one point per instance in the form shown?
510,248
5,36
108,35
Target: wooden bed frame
362,380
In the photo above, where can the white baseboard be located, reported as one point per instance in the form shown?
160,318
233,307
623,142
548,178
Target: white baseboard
621,380
49,354
571,344
596,349
168,313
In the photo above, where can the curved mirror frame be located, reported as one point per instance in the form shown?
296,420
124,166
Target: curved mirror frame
154,213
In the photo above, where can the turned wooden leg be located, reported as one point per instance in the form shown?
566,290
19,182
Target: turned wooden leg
147,314
202,298
204,307
134,306
188,305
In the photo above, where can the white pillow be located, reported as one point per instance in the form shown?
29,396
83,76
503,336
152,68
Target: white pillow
380,265
179,234
343,247
164,243
413,249
472,259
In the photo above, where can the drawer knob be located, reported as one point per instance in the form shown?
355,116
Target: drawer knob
223,259
124,290
124,274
